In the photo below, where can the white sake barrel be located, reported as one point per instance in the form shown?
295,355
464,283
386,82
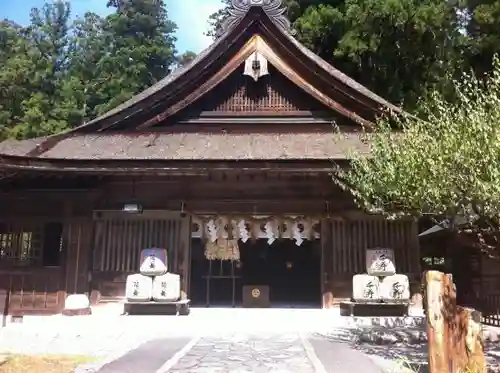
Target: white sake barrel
365,288
139,288
380,262
395,288
167,288
153,262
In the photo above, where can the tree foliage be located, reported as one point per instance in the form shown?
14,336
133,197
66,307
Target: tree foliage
56,72
141,49
482,25
185,58
447,164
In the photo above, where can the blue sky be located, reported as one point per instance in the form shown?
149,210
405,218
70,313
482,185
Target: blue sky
190,15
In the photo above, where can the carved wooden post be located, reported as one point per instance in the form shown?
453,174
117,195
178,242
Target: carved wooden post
465,341
454,333
438,353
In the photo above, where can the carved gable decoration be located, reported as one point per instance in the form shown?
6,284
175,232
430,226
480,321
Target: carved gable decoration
256,66
273,8
240,93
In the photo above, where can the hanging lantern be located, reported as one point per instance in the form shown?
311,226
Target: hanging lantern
211,230
308,228
297,233
235,234
316,227
289,265
286,229
243,232
270,234
223,228
196,228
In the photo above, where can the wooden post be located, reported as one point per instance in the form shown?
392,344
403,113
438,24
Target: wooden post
4,305
438,353
454,333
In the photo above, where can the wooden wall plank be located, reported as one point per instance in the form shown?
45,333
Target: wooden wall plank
351,237
127,235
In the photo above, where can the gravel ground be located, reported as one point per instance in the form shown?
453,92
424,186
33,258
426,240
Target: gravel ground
109,337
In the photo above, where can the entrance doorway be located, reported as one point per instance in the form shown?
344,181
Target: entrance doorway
291,272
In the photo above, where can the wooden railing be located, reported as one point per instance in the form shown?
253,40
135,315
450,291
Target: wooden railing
488,301
33,291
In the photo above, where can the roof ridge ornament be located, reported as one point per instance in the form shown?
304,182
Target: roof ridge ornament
239,8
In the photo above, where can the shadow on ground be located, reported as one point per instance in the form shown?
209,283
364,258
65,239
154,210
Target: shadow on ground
410,356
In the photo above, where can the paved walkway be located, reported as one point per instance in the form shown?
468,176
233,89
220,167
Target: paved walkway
210,340
243,353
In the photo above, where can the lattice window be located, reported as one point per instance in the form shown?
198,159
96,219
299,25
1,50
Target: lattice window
21,245
30,244
270,94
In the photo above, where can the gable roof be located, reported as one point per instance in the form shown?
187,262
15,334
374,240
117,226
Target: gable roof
253,25
271,32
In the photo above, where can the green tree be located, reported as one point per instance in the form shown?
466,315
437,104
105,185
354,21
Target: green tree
185,58
15,75
89,49
215,19
50,106
483,31
141,41
447,165
400,49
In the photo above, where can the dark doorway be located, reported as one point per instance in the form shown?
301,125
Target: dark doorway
292,273
213,282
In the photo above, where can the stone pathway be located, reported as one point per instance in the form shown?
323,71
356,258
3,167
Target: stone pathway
240,353
246,354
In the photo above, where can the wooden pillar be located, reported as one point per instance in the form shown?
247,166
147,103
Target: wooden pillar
77,241
184,255
415,270
326,264
4,306
454,333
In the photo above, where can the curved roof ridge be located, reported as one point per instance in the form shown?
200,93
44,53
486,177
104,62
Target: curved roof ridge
347,80
173,76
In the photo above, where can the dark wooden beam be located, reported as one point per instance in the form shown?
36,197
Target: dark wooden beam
166,167
258,120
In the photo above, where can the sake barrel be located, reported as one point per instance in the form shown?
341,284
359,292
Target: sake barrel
167,288
153,262
139,288
365,288
380,262
395,289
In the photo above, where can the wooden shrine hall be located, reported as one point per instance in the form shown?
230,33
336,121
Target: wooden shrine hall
225,163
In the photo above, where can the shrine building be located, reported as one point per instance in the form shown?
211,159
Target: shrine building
226,163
